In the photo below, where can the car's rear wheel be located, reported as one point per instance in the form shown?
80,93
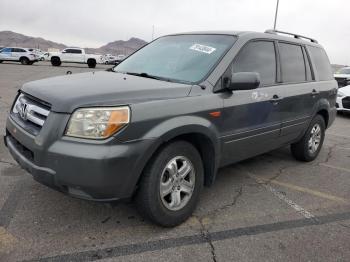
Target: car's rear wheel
55,61
1,61
24,61
171,184
308,148
91,63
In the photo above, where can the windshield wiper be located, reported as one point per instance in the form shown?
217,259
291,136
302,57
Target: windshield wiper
146,76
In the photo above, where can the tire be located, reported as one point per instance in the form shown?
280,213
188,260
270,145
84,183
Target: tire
303,150
162,210
56,61
91,63
24,61
1,61
30,63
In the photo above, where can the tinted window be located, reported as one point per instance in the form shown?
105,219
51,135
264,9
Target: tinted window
321,62
292,62
18,50
73,51
259,57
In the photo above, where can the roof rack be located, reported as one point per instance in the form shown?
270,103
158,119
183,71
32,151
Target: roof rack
272,31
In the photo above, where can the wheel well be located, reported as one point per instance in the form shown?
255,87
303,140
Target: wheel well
91,60
325,115
23,57
206,150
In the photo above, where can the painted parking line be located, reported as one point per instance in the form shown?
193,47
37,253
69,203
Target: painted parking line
308,191
299,209
336,167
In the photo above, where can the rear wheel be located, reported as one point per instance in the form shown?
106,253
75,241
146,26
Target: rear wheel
170,185
24,61
1,61
91,63
55,61
308,148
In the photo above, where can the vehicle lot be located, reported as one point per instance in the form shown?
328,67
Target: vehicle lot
268,208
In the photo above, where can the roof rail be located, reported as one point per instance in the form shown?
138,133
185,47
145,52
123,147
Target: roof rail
272,31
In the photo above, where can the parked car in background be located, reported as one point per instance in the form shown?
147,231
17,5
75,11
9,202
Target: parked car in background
42,55
74,55
343,99
109,59
18,54
157,127
343,76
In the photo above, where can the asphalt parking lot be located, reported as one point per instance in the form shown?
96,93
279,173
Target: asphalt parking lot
268,208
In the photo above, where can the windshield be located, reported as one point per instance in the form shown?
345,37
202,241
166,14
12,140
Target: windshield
182,58
345,71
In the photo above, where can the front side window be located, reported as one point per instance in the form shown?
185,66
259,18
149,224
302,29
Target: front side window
292,62
179,58
259,57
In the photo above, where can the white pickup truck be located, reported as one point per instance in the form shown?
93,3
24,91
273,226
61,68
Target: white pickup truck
74,55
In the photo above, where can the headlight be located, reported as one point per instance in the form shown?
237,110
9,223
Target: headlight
340,94
98,123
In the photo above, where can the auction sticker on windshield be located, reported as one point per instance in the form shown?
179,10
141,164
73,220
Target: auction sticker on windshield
203,48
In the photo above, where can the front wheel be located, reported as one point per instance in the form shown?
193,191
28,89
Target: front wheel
91,63
171,184
308,148
24,61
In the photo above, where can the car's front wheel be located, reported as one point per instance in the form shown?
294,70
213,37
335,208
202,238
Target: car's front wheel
308,148
24,61
171,184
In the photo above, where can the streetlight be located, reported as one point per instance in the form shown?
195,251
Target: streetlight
274,26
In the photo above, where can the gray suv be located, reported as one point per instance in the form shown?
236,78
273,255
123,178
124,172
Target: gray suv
157,127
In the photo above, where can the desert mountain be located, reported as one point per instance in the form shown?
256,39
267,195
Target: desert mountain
8,38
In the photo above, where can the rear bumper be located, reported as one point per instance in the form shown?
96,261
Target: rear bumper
93,171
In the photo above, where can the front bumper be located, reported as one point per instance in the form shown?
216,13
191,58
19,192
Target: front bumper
100,171
340,104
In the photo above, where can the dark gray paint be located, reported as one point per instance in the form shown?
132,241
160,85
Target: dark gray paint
161,111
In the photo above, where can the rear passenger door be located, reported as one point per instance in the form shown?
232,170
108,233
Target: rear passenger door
17,53
297,89
252,123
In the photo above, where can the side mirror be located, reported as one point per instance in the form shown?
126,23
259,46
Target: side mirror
242,81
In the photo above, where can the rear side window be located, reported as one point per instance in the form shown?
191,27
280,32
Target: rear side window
321,63
292,62
259,57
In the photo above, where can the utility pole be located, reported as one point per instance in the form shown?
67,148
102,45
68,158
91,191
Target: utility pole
274,26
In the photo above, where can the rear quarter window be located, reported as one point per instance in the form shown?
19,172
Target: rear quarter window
321,63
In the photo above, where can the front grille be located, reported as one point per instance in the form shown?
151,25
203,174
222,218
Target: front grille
342,81
346,102
30,113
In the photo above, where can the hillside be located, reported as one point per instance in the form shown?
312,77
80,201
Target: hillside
8,38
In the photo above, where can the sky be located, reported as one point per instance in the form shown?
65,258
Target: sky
93,23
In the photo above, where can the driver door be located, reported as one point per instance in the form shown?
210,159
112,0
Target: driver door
251,117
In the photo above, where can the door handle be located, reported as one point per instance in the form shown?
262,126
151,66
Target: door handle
275,99
314,93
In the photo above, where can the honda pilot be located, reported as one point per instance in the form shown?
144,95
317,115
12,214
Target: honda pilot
157,127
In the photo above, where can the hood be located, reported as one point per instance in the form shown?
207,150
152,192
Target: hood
66,93
341,76
345,90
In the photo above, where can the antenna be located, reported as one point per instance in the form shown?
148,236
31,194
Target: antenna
152,32
274,26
